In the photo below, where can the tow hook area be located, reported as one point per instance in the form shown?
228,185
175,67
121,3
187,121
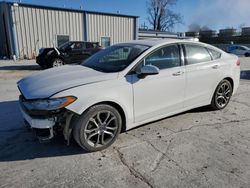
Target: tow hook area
44,135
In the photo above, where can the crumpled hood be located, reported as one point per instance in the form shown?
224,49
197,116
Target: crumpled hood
49,82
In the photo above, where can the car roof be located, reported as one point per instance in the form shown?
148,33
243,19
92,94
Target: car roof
154,42
82,41
235,45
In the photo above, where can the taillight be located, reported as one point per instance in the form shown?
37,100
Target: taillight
238,62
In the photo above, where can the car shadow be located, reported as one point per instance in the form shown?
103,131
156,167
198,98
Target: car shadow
245,75
21,67
19,143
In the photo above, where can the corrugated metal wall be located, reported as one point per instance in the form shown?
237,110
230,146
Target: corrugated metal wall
32,27
118,28
38,27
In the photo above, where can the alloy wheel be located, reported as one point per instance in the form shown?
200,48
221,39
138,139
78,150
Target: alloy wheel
223,94
57,63
101,128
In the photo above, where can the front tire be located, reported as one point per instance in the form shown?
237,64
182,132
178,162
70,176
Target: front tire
247,54
222,95
98,127
57,62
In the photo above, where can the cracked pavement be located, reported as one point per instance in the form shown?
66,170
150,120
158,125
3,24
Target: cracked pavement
198,148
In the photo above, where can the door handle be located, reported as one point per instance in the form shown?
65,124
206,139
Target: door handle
179,73
215,66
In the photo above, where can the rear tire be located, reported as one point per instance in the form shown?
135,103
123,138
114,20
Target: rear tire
222,95
98,127
247,55
57,62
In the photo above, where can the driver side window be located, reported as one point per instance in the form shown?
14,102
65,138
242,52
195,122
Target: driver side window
164,58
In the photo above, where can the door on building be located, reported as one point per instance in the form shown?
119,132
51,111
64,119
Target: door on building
62,39
105,42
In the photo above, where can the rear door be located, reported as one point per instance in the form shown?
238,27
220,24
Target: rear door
202,75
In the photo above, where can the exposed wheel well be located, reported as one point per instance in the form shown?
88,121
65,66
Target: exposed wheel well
54,58
120,110
231,81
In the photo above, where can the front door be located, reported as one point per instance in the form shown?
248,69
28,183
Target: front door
162,94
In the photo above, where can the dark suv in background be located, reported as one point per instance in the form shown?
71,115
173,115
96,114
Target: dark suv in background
68,53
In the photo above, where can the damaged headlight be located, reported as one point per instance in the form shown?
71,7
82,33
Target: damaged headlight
49,104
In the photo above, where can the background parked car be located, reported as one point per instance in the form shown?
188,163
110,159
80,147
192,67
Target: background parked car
68,53
239,50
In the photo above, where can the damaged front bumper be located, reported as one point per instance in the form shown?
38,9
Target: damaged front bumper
43,127
46,123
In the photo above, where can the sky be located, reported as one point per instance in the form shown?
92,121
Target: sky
216,14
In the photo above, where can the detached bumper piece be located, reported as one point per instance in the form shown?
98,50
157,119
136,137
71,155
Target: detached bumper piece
44,135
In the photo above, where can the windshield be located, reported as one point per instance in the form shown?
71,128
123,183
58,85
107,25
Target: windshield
65,45
115,58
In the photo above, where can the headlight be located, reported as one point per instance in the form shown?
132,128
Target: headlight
49,104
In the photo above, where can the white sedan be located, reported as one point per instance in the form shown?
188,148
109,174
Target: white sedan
239,50
127,85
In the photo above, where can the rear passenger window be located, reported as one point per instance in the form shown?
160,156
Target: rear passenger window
196,54
215,54
166,57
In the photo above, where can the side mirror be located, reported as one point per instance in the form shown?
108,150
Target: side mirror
148,70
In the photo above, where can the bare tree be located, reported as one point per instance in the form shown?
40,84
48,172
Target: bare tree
160,16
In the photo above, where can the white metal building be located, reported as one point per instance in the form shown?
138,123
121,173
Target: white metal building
145,34
26,28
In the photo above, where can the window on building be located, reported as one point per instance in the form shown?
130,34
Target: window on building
166,57
105,42
62,39
196,54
